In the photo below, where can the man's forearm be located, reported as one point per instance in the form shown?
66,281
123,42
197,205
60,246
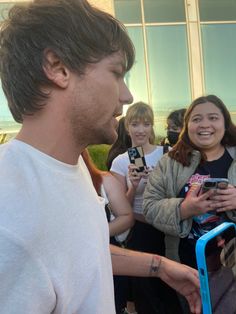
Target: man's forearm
180,277
132,263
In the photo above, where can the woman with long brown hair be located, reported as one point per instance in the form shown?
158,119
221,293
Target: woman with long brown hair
173,201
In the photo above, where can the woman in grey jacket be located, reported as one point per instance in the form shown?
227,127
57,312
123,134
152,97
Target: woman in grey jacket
173,201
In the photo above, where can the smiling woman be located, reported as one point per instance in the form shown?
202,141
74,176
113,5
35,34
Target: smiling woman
206,128
206,148
150,296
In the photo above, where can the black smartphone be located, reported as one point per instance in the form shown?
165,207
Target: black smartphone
136,157
214,183
216,260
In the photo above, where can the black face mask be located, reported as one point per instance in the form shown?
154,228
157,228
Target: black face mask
172,137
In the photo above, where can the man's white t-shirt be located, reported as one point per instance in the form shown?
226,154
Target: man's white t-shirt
120,165
54,238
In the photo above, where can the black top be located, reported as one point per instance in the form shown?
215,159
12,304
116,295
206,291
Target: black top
206,222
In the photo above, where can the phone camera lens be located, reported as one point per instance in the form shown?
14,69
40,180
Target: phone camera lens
210,184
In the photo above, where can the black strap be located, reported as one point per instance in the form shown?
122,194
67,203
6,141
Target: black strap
165,148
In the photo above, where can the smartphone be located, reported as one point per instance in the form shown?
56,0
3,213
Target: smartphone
136,157
214,183
216,261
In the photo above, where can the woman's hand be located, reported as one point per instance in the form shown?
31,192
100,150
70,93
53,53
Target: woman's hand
195,204
136,176
224,199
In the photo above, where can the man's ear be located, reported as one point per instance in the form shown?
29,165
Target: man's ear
55,70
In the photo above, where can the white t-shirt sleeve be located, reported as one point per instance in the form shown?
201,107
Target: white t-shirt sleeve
120,165
24,283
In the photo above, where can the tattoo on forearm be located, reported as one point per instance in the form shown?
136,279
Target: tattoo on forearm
155,265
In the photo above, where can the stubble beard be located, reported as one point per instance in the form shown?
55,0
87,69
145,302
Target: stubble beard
86,133
90,135
104,137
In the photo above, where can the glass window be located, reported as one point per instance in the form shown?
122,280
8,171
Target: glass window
217,10
4,8
219,51
4,111
169,71
136,78
7,122
128,11
164,11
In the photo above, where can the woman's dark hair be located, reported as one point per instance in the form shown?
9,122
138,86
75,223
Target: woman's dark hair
177,116
76,32
183,149
121,145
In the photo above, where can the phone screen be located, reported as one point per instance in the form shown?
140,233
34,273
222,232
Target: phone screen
136,157
214,183
220,255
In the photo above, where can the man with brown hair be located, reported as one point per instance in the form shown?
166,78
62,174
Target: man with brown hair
62,65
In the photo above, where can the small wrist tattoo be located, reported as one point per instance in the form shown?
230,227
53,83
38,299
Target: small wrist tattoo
155,265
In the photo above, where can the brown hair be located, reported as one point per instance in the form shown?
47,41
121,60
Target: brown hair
121,145
177,116
75,31
95,173
140,112
183,149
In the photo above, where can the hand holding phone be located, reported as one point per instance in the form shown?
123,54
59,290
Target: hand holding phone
136,157
214,184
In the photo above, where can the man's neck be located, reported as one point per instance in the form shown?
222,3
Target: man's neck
54,141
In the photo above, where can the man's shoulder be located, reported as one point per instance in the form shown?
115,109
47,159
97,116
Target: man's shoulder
8,157
9,151
11,157
15,178
4,148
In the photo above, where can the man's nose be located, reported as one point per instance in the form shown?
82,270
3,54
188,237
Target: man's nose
126,97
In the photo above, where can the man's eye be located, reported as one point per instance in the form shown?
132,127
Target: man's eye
117,74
